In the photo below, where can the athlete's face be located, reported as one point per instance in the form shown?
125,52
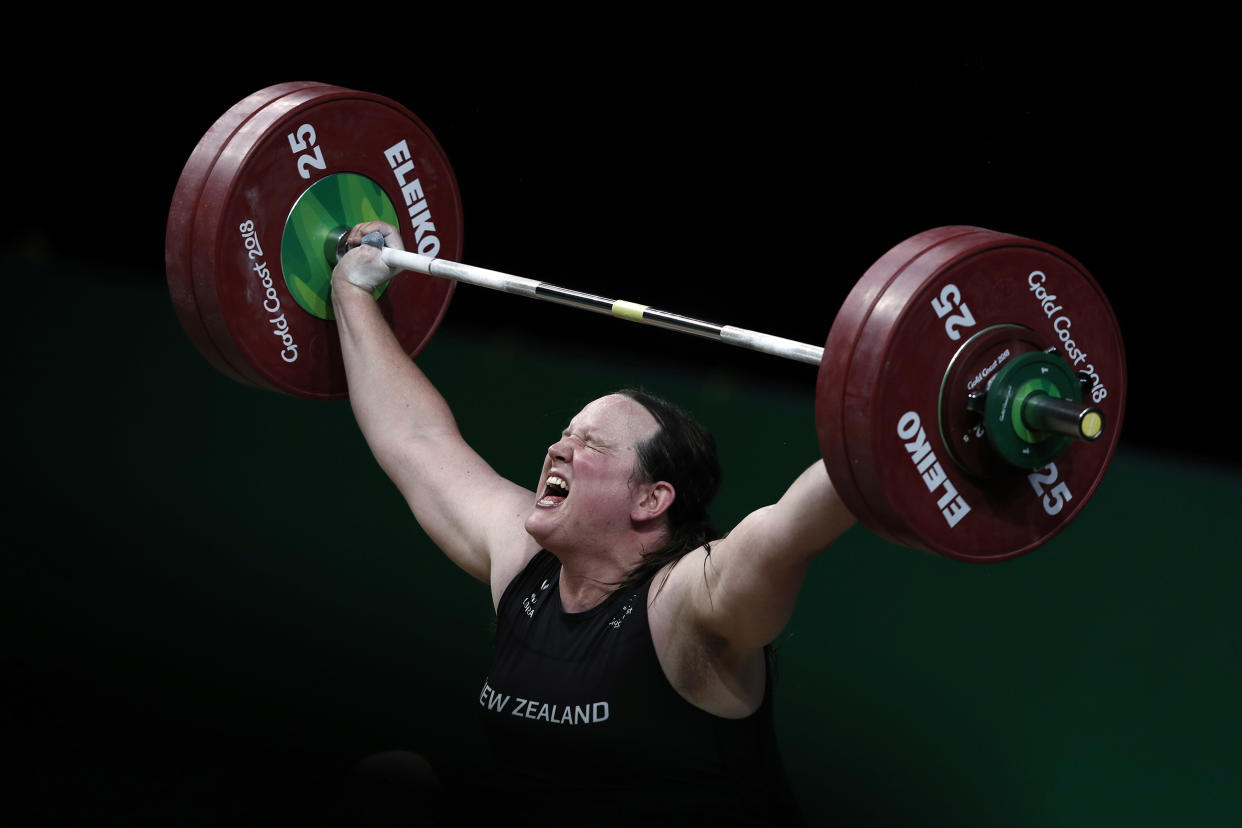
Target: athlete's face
586,489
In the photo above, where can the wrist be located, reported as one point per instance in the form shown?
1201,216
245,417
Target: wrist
345,293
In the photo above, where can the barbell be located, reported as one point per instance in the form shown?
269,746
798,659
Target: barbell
970,392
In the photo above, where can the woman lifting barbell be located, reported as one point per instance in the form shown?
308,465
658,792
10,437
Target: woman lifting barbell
952,411
630,677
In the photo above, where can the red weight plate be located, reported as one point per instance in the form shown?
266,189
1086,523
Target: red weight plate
247,199
839,352
878,407
178,239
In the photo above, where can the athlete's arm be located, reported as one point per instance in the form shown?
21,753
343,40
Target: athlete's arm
469,511
744,591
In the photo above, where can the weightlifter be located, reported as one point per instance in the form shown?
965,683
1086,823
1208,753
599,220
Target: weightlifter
630,679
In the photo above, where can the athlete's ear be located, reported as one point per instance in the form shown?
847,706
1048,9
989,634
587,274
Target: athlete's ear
653,500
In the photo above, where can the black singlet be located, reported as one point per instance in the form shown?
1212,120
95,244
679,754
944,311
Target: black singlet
583,721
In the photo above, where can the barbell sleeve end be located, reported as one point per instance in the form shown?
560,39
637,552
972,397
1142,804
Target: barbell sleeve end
1047,413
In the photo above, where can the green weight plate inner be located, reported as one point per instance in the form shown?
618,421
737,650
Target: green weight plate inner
1007,431
1035,385
340,200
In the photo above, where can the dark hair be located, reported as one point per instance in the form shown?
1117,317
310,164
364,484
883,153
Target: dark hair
683,454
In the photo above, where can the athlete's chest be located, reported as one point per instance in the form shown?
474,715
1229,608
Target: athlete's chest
576,657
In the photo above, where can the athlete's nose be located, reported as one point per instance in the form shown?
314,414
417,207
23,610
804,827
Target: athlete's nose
562,450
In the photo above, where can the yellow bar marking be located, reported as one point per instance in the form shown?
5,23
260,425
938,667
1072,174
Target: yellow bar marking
628,310
1092,425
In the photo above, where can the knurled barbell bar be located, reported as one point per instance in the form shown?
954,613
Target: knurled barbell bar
963,391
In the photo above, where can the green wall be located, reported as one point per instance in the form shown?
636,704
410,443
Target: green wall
218,601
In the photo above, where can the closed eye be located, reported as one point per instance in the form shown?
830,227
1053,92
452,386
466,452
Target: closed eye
587,442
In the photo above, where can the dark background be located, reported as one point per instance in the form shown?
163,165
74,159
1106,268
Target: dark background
755,163
217,602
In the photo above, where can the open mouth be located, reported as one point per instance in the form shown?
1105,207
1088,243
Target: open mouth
555,490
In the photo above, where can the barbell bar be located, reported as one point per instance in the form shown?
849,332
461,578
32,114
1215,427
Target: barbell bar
620,308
